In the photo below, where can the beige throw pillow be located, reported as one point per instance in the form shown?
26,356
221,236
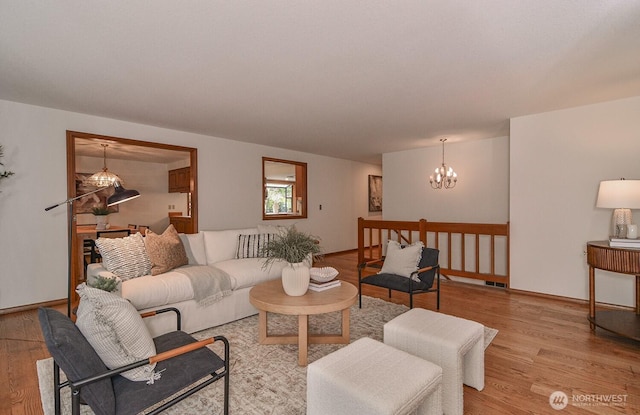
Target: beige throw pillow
402,260
165,251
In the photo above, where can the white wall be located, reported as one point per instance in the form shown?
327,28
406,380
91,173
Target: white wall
557,161
481,194
33,243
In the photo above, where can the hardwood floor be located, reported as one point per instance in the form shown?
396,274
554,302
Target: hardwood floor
543,345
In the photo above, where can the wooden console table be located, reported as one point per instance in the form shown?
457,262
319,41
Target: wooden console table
625,261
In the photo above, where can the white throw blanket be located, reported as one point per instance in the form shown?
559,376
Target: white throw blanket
210,284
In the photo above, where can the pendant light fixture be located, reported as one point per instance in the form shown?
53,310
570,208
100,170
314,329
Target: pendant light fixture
443,176
103,178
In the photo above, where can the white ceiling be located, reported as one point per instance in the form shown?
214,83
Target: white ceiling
92,147
345,78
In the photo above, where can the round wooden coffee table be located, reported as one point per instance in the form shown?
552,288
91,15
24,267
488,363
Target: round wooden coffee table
269,297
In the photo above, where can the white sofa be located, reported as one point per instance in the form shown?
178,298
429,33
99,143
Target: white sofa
173,289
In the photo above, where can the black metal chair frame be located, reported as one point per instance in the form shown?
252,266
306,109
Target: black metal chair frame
76,386
94,256
91,244
106,233
377,264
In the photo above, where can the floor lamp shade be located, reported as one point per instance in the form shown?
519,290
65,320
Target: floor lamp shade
621,195
121,195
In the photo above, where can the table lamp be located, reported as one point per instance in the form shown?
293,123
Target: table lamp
621,195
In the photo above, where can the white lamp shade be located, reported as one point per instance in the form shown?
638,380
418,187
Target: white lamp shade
615,194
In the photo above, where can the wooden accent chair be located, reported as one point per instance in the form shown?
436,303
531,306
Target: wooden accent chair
183,360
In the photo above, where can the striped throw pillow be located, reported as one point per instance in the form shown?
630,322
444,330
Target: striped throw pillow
116,331
251,246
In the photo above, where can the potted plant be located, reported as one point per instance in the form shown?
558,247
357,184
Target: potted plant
297,248
100,212
4,174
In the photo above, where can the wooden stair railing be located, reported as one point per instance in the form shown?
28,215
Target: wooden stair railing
373,234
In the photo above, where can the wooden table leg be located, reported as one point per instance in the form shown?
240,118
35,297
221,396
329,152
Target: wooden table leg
345,325
303,339
638,294
262,327
592,297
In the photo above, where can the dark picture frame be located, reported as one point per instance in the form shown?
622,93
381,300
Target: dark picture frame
375,193
85,204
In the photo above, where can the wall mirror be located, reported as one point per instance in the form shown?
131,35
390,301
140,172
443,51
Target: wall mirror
284,189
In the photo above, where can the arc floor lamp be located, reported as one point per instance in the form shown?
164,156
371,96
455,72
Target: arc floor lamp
119,196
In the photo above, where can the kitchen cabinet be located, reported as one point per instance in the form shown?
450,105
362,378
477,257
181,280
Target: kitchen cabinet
179,180
183,224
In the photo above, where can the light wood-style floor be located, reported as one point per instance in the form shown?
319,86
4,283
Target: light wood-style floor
543,345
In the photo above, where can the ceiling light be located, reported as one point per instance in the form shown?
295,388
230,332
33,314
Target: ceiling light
443,176
103,178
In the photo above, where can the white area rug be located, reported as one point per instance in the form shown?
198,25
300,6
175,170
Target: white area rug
265,379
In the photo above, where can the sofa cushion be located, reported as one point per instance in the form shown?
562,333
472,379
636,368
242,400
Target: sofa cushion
222,245
248,272
125,257
194,246
275,229
165,251
115,330
157,290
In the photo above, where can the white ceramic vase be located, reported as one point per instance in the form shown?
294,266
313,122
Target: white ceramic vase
101,222
295,279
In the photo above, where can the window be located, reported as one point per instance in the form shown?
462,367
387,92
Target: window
284,189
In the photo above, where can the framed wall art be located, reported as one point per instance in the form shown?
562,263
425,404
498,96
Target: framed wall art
375,193
85,204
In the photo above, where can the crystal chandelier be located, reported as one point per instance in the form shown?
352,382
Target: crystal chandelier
103,178
443,176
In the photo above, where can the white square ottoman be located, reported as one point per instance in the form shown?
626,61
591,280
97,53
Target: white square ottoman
368,377
453,343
